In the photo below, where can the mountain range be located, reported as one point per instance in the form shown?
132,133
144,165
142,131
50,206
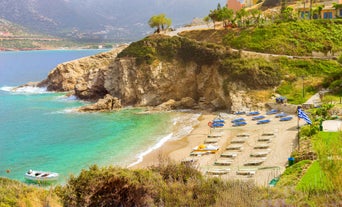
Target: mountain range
99,20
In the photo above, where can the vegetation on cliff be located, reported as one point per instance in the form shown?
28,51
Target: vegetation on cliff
289,38
288,75
296,38
167,184
165,48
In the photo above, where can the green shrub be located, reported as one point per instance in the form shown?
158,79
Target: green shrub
309,130
111,187
339,59
167,184
255,73
14,193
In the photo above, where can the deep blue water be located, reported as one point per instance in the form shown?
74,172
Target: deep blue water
39,131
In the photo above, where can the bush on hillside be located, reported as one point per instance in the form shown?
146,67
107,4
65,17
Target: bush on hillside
255,73
15,193
164,48
289,38
163,185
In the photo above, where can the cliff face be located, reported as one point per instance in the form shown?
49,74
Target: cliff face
151,85
176,73
85,76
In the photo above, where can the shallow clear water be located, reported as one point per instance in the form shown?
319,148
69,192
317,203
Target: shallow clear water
39,131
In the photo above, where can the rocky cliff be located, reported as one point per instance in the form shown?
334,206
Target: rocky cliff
166,72
85,77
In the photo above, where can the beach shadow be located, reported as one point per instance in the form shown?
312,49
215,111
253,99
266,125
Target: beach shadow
294,128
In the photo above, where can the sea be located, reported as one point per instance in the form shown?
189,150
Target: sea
40,130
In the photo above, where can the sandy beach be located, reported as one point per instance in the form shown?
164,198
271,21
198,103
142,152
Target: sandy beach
276,141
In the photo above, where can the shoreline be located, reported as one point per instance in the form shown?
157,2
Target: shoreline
178,149
279,148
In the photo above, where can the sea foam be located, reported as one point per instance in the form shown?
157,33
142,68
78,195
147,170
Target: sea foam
7,88
182,126
25,90
154,147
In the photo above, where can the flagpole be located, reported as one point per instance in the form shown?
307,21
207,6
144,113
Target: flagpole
298,128
298,133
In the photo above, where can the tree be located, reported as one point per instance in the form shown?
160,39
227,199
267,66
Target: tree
225,15
240,16
214,16
161,22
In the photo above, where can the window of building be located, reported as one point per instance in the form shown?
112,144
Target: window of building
304,14
327,15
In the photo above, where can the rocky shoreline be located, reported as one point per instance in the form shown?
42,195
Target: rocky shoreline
111,80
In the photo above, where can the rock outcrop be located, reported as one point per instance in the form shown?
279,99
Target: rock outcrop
85,76
184,103
162,72
108,103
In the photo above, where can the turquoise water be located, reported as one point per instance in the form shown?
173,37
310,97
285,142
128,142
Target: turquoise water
39,130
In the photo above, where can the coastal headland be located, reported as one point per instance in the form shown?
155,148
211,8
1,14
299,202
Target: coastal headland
162,73
196,72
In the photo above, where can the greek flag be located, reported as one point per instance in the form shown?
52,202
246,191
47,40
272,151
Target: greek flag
303,115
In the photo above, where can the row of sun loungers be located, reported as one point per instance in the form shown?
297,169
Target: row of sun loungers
258,156
224,163
260,118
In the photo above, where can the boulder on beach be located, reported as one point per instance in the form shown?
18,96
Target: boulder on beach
107,103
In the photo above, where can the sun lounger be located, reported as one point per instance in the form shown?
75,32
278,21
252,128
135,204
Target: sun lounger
261,146
246,172
218,120
254,162
214,136
238,120
287,118
214,124
198,154
243,135
218,171
264,139
211,140
206,148
264,121
267,134
259,154
189,160
242,123
258,117
238,140
240,113
203,147
272,111
282,114
229,154
234,147
253,113
223,162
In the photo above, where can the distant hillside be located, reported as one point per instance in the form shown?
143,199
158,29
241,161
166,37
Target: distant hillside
8,28
101,20
16,37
